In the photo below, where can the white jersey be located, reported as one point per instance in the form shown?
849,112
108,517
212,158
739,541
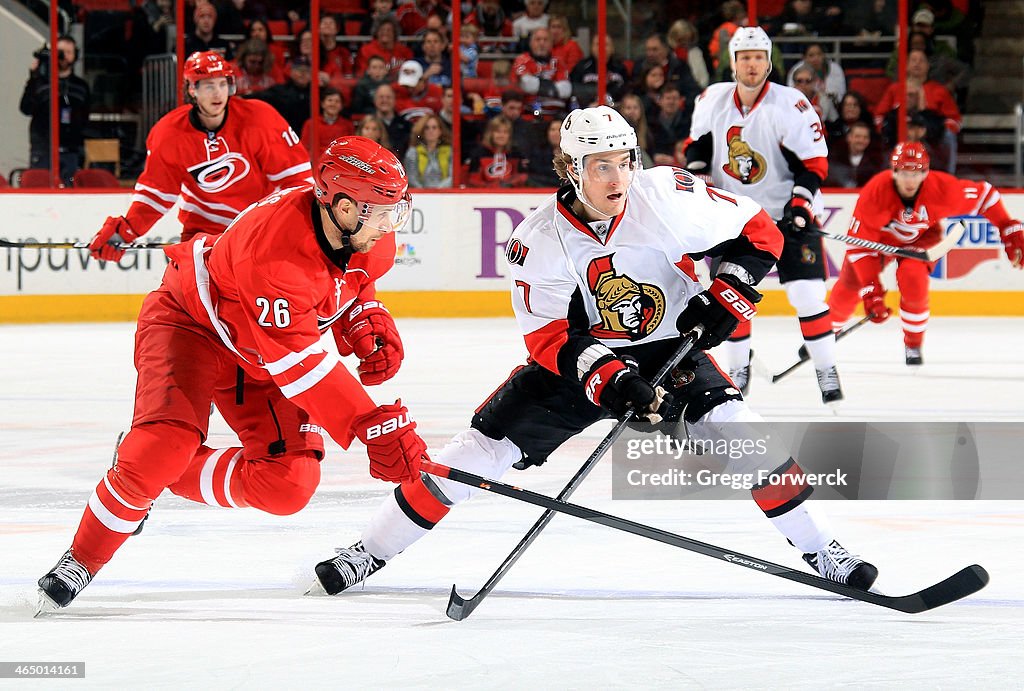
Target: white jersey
625,281
748,156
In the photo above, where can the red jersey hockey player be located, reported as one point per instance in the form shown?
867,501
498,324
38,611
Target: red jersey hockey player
603,288
237,321
765,141
218,155
905,207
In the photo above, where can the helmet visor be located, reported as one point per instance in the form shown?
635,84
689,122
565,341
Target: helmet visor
611,167
386,218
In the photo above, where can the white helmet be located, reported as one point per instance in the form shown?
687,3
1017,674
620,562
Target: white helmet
596,130
749,38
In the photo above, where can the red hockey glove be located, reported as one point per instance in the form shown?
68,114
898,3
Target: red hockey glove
391,442
719,309
369,331
873,295
115,231
1013,243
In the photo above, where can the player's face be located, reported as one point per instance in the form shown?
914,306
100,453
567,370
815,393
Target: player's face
751,68
606,178
212,95
377,221
908,182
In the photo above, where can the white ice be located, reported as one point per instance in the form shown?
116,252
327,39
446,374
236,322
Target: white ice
212,598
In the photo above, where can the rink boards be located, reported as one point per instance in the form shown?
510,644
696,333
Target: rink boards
450,260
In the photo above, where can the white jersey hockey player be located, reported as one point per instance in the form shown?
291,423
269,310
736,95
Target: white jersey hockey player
603,289
765,141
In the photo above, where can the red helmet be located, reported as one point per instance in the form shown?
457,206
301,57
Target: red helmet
910,156
206,65
368,174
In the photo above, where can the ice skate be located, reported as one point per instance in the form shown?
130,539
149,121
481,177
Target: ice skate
914,357
352,565
113,463
62,584
741,376
835,563
828,382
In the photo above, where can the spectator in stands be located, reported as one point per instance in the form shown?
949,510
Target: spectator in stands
397,127
428,161
382,9
291,99
331,125
806,82
385,44
853,159
469,51
803,18
335,59
496,162
671,124
943,65
584,76
73,110
513,104
540,169
414,95
829,78
234,16
539,73
362,94
372,128
490,18
682,39
260,30
563,46
535,17
152,30
932,101
658,53
255,70
413,15
203,38
447,112
632,109
500,82
435,58
734,15
853,108
648,86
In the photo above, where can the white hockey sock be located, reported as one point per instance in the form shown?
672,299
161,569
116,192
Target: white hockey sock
805,526
822,351
390,531
737,353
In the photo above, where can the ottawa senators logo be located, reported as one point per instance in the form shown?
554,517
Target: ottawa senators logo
807,255
745,164
628,309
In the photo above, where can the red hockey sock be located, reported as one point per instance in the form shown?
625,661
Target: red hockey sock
112,515
207,479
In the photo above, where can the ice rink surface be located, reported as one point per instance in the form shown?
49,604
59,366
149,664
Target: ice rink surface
212,598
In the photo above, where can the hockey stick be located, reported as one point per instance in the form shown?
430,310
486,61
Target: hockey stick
805,356
933,253
79,245
458,607
961,584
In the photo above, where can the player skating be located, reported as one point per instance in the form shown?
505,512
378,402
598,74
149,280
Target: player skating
238,322
602,277
765,141
905,207
218,154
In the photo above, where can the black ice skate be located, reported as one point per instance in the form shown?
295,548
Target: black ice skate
62,584
113,463
914,357
741,377
835,563
828,382
352,565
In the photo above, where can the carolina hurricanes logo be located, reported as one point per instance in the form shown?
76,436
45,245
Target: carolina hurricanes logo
222,169
745,164
910,224
628,309
498,166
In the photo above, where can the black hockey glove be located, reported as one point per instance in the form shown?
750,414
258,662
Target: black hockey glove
719,309
611,384
798,217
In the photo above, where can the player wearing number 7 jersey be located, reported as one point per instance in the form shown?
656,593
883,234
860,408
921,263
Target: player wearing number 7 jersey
215,156
765,141
238,321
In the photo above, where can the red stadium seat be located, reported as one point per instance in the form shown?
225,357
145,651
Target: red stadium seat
871,84
484,69
94,177
34,177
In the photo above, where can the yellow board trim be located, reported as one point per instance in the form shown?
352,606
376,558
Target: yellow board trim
31,309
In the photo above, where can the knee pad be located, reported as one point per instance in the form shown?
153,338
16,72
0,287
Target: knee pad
807,297
474,452
281,486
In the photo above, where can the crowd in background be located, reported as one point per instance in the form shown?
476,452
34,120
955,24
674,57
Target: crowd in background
385,71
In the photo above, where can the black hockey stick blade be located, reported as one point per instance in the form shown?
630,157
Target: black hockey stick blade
805,356
961,584
459,607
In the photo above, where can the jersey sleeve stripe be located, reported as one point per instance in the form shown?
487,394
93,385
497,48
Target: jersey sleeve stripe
223,220
149,201
188,195
291,359
763,234
311,378
301,167
817,165
166,196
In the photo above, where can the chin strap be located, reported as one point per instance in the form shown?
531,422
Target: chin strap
346,235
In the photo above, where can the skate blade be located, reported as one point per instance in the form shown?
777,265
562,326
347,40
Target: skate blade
45,606
316,589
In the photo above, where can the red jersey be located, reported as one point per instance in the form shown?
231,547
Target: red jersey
881,216
393,58
218,173
414,106
568,53
551,68
327,132
936,97
269,287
